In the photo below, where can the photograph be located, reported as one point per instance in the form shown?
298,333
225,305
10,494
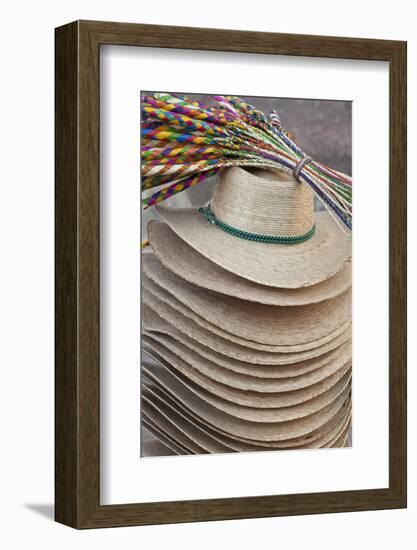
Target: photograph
246,274
205,325
230,315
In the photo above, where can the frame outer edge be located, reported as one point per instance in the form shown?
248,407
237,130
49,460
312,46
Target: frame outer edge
66,268
398,274
88,274
77,276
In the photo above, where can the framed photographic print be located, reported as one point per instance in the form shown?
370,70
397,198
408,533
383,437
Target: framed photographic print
230,274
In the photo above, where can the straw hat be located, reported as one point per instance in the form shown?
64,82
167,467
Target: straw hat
267,415
183,260
283,365
155,393
174,421
214,364
257,326
152,446
174,442
261,431
258,401
247,377
182,325
251,207
180,428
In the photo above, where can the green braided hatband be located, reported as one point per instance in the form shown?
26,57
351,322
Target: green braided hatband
267,239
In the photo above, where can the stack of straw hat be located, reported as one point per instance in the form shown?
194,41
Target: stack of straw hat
246,321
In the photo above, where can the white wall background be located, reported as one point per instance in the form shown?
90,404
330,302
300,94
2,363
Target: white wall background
26,273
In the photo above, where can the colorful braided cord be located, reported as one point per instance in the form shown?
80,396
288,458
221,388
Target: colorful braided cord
185,141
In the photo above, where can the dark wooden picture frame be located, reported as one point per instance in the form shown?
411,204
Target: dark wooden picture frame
77,374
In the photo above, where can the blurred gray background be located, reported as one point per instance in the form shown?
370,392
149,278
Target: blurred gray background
321,128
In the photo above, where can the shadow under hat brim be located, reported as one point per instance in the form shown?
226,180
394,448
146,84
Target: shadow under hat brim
186,262
275,265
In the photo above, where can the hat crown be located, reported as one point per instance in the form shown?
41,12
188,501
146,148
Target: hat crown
263,202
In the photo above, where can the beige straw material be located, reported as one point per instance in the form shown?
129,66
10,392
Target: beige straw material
240,443
152,446
175,446
183,260
153,308
172,443
296,374
260,431
214,441
164,438
170,429
166,426
255,408
245,376
179,428
339,437
190,423
276,265
315,439
162,299
180,443
257,326
176,424
175,408
188,362
247,399
341,441
345,442
264,202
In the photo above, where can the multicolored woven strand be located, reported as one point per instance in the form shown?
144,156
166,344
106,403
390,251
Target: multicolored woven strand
185,141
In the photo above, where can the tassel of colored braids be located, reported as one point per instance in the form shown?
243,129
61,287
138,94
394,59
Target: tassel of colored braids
185,141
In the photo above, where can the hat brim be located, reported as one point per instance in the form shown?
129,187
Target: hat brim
175,423
243,399
317,438
257,326
275,265
262,431
247,379
192,266
252,414
206,339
